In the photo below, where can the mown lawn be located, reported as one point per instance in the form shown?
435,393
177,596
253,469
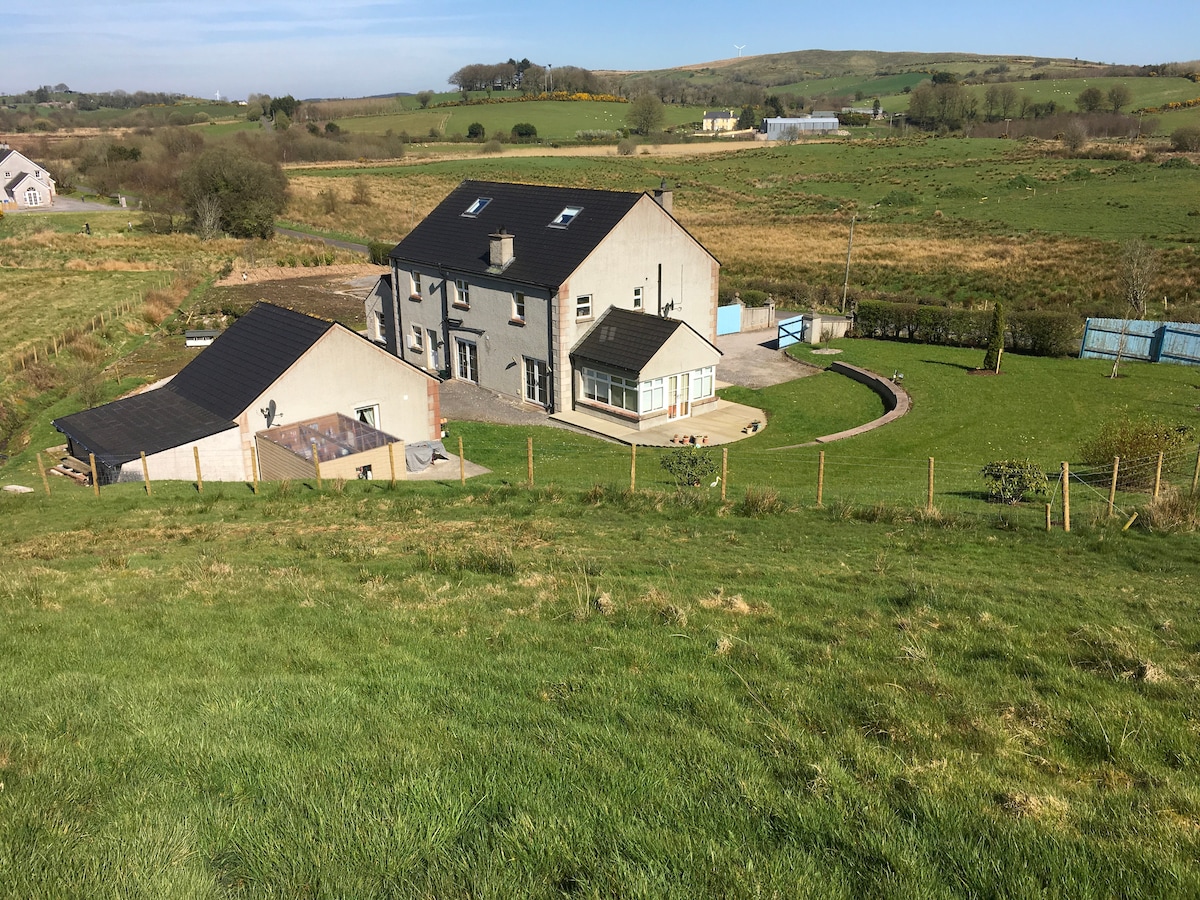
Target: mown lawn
495,692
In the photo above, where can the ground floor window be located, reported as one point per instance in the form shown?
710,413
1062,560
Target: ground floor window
702,382
654,395
467,359
33,197
537,382
614,390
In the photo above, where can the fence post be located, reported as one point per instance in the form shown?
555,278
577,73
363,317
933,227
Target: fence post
1112,488
199,477
1049,524
462,464
724,471
820,477
529,459
95,476
929,493
254,467
1066,495
632,468
42,472
146,473
316,464
1196,474
392,465
1158,475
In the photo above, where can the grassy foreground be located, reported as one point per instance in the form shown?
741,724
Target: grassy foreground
496,692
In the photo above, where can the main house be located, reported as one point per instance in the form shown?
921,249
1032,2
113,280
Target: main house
272,370
501,283
26,184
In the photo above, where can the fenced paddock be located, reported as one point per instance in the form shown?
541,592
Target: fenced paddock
743,476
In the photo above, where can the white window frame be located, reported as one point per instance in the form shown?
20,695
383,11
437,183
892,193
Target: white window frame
371,409
462,293
477,207
518,307
541,383
703,383
583,307
652,395
415,278
566,217
605,388
637,298
33,197
471,350
416,339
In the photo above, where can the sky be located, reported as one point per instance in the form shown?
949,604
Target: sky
315,49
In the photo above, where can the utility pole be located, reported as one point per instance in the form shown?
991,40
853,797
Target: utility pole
849,247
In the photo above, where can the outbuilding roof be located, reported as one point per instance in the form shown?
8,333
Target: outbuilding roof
549,240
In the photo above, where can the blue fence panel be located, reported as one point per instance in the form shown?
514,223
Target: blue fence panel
729,319
1169,342
791,331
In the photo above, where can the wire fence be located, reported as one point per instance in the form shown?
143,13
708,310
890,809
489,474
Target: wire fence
794,477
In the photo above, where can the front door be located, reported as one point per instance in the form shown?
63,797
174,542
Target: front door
679,396
468,360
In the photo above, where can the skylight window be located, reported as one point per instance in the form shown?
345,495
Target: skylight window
567,216
477,207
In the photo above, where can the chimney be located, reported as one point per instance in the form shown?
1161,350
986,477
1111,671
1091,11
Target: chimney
665,197
501,249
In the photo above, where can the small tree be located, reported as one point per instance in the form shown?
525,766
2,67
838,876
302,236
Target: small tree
1075,135
361,191
995,340
1090,100
424,98
1118,97
475,131
523,131
747,119
1011,480
1186,139
646,114
690,465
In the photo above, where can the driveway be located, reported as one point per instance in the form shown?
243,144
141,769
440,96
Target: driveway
70,205
752,359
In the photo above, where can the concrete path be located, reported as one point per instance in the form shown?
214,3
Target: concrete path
332,242
753,359
71,205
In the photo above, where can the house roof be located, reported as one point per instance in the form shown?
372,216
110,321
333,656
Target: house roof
623,339
247,359
544,254
144,423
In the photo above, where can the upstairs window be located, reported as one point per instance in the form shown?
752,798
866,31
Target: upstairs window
463,293
567,216
637,298
518,309
477,207
583,307
416,284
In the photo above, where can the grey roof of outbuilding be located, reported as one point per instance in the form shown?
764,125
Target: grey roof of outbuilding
144,423
207,394
623,339
544,255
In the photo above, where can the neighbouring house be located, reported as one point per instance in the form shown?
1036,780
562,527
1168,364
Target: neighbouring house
26,184
500,284
720,120
272,368
783,129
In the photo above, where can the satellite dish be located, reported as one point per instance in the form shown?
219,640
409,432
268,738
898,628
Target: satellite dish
270,413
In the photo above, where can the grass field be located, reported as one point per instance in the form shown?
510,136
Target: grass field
496,693
554,120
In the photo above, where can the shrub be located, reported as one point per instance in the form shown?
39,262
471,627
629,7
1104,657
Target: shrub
378,252
690,465
626,147
493,146
1186,139
1138,441
1011,480
524,131
475,131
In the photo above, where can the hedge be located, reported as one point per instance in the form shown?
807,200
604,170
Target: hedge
1037,332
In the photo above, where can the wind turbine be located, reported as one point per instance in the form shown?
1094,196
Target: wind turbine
739,48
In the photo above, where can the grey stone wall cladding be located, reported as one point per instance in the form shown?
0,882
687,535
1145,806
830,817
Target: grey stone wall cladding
486,320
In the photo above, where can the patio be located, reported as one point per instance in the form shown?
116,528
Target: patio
726,423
